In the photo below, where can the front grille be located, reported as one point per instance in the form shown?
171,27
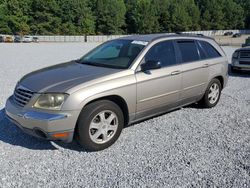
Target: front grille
245,54
244,63
22,96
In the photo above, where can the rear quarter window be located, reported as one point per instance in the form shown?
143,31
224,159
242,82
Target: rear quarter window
209,50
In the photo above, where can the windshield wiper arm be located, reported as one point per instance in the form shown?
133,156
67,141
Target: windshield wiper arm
83,62
92,63
88,63
76,60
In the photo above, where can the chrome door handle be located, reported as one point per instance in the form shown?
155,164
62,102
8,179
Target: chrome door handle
205,65
175,72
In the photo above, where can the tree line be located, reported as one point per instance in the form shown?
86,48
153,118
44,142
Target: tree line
79,17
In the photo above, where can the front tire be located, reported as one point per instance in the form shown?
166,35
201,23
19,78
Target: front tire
99,125
212,94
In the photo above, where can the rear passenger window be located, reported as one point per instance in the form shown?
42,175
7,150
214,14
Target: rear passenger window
189,51
163,52
209,49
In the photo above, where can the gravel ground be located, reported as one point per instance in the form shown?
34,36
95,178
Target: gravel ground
190,147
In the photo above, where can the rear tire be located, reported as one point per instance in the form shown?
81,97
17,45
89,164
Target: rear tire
99,125
212,94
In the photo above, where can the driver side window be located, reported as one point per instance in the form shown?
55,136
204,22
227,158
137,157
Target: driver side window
162,52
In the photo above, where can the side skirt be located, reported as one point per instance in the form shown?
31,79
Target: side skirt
147,114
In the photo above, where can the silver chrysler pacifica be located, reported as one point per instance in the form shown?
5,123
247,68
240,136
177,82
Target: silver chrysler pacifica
118,83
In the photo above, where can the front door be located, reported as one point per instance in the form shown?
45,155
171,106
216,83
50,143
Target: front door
160,88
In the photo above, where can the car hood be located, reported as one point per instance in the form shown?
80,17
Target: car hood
62,77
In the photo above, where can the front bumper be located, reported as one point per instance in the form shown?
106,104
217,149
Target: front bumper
46,125
243,64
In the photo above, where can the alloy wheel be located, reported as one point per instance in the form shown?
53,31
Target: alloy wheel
103,127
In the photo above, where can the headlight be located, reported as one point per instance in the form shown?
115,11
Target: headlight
50,101
236,55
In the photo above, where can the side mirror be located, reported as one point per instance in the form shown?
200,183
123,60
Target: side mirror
150,65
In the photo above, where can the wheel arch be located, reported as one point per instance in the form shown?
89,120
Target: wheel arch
221,79
120,101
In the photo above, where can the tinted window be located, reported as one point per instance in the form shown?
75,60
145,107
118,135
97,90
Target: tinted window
203,55
163,52
108,52
134,50
209,49
114,54
189,51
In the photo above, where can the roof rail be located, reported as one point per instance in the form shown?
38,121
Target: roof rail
195,34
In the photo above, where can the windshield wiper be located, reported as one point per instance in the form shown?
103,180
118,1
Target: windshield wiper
89,63
92,63
76,60
83,62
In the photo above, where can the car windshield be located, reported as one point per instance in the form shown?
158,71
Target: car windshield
117,54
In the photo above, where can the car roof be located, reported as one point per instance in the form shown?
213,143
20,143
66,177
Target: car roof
152,37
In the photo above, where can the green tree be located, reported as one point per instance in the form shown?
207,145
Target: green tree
234,15
146,19
247,14
180,21
14,18
45,17
178,15
194,13
110,16
163,14
77,17
212,15
245,4
130,17
4,28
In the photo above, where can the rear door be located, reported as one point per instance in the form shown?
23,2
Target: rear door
194,71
